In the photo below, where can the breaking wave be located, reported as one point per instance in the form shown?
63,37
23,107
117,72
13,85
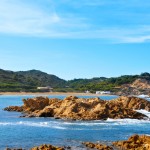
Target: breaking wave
79,125
147,113
34,124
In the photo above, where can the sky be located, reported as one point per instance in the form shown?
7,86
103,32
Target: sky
75,39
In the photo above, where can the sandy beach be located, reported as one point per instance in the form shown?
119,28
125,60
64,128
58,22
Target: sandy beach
51,93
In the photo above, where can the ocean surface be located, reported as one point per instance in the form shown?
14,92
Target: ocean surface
18,132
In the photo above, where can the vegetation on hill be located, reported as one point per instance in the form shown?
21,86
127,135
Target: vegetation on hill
27,80
30,80
104,84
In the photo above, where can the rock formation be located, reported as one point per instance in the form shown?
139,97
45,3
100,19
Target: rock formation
76,108
135,142
138,87
47,147
97,146
14,108
41,147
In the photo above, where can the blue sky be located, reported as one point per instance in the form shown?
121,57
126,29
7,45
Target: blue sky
75,39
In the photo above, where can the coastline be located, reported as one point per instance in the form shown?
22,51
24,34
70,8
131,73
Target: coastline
52,93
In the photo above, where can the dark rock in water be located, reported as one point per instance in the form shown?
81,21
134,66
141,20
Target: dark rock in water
14,108
14,149
97,146
41,147
75,108
135,142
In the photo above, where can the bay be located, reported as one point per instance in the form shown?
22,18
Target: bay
29,132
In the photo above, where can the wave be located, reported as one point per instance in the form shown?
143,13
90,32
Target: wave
34,124
82,125
147,113
127,121
79,125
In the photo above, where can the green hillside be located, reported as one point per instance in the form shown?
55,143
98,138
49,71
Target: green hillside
105,84
30,80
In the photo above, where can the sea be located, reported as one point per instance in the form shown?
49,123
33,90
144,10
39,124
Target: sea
18,132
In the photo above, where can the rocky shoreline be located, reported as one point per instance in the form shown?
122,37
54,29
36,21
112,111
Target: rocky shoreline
135,142
41,147
75,108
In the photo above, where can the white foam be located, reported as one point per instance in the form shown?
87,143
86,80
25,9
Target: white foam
92,123
127,121
80,125
142,111
34,124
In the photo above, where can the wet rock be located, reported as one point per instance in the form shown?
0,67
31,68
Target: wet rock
97,146
14,149
14,108
47,147
135,142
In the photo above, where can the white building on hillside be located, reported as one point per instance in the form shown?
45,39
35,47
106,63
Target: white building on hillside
46,88
103,92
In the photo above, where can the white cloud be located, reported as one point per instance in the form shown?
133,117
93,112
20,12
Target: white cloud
21,18
18,17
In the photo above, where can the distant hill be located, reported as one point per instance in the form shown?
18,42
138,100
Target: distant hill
30,80
27,80
123,85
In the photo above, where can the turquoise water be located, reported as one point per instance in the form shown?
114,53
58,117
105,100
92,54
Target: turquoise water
29,132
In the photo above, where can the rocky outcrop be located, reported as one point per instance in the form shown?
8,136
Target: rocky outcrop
135,142
138,87
14,108
141,84
14,149
41,147
97,146
131,102
47,147
38,103
83,109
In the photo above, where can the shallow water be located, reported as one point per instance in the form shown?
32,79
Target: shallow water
28,132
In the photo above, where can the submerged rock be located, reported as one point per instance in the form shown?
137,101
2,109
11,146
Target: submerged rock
135,142
76,108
